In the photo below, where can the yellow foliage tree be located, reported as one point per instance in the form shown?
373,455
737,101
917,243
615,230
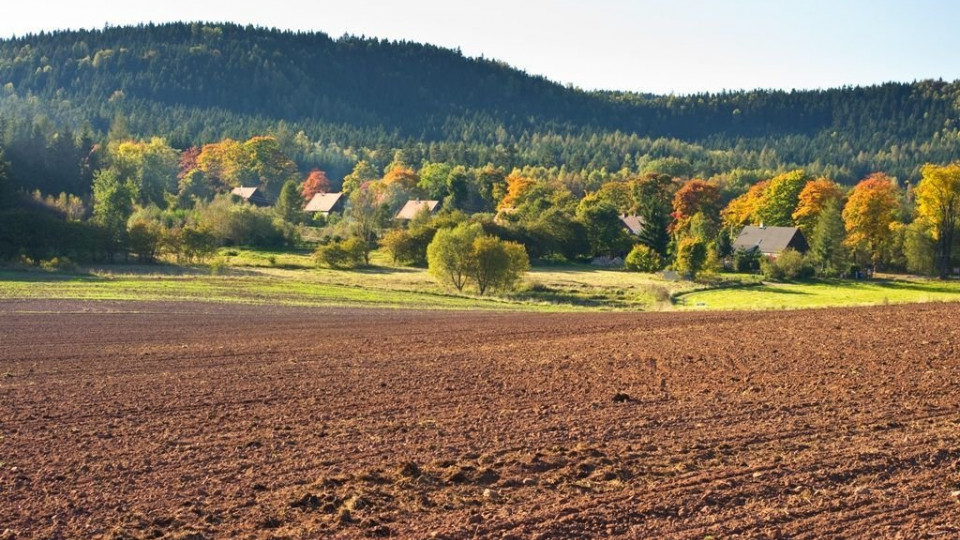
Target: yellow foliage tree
938,204
870,214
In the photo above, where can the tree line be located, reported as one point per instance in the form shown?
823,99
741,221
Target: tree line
148,199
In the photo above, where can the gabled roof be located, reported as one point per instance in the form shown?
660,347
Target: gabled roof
251,194
414,207
244,192
770,240
323,202
633,224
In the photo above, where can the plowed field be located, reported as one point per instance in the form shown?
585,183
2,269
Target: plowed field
151,420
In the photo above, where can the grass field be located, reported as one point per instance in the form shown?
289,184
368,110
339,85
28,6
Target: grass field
291,279
822,294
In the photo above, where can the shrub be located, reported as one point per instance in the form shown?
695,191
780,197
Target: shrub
746,260
790,265
463,254
341,254
400,245
643,259
59,264
691,256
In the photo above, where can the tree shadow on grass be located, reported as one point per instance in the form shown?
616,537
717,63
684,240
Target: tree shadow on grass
928,287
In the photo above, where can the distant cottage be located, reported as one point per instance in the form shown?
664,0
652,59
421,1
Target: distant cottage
632,224
770,241
252,195
414,207
325,203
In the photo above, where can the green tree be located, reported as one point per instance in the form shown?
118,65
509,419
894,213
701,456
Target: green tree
643,259
691,256
289,206
920,249
112,205
450,256
602,223
497,264
6,183
827,250
781,197
362,172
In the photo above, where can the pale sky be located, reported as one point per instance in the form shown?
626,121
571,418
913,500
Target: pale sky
659,46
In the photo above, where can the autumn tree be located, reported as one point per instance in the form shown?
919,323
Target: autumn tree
402,176
362,172
780,199
815,196
938,205
696,196
316,182
872,207
188,161
517,186
745,209
224,164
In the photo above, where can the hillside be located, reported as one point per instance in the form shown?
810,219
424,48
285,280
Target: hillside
195,83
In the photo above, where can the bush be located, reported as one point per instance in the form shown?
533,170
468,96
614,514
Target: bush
464,254
691,256
342,254
790,265
400,245
746,260
59,264
643,259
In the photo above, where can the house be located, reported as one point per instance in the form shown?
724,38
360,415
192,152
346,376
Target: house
414,207
632,224
252,195
325,203
770,241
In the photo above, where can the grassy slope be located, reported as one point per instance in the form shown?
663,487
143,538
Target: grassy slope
284,278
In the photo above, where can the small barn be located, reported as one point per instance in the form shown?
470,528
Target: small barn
632,224
325,203
414,207
770,241
252,195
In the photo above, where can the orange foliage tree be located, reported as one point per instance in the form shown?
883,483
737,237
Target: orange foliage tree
316,182
814,197
696,196
870,213
517,187
403,176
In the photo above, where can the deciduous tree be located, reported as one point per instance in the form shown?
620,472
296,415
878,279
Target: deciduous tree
938,205
316,182
870,210
815,196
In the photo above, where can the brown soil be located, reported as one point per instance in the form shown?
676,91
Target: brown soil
129,420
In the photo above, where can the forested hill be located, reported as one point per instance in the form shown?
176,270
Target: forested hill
195,83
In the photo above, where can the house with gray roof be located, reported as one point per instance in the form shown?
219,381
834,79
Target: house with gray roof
770,241
252,195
